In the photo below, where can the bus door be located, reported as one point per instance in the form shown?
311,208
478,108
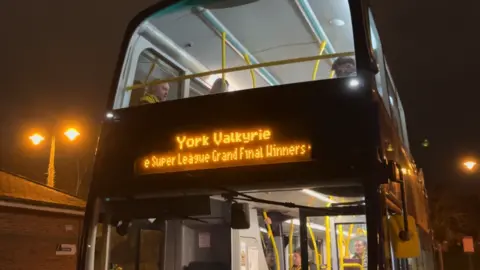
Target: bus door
130,245
334,242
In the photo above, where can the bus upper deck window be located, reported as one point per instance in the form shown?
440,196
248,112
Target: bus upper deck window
194,44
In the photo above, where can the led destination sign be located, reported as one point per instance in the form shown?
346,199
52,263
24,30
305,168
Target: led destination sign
224,149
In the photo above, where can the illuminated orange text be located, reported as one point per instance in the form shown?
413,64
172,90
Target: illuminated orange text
220,149
220,138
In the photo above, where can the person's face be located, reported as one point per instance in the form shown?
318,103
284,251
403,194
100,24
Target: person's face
297,259
359,247
345,69
161,91
270,259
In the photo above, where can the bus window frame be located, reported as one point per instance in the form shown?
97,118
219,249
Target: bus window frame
394,101
137,45
365,61
402,125
333,233
306,213
382,71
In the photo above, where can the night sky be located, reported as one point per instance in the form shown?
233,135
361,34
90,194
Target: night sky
58,61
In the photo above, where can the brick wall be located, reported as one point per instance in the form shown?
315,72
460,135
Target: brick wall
28,239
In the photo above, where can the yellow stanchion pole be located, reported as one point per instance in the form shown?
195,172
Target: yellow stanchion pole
252,73
328,241
332,74
341,247
150,71
349,237
317,63
315,248
274,245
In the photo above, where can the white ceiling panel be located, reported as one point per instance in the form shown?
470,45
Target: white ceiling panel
341,37
265,25
206,47
270,29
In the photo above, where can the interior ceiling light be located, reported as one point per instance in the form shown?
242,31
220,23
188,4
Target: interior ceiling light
319,196
337,22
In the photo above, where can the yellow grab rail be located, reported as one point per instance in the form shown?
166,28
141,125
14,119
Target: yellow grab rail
349,237
332,74
328,240
224,56
355,265
245,67
341,248
150,71
274,245
317,63
252,73
290,245
315,248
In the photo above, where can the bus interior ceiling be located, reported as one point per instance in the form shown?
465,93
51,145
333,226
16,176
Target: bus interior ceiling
265,30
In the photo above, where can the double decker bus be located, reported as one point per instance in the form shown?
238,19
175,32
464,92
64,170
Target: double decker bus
255,134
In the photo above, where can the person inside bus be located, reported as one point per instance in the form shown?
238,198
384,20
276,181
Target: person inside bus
219,87
361,252
344,67
297,261
270,258
155,93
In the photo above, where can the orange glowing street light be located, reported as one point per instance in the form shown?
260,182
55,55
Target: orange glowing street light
36,138
470,164
72,134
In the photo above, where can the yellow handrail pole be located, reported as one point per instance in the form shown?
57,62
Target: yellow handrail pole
328,241
150,71
224,56
244,67
355,265
315,248
332,74
252,73
349,237
361,231
340,246
274,245
317,63
290,245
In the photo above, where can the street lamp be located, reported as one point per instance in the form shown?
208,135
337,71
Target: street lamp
470,165
72,134
36,139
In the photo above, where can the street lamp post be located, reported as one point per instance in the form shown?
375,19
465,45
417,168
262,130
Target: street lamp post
51,165
36,139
